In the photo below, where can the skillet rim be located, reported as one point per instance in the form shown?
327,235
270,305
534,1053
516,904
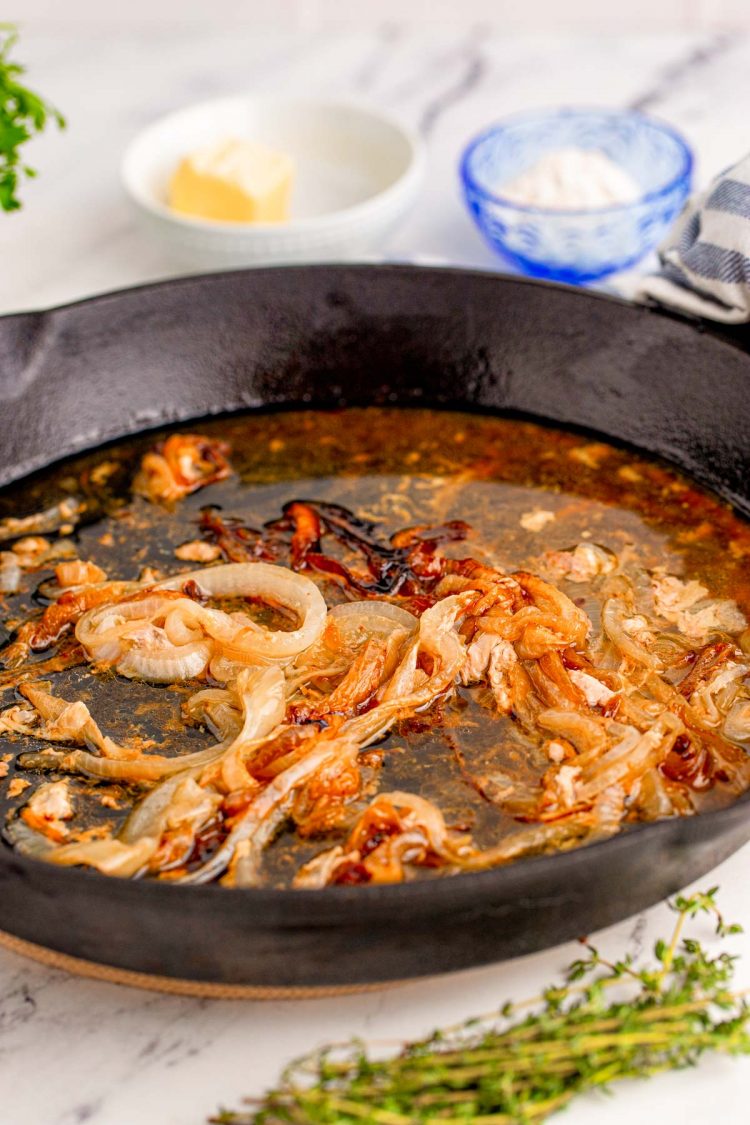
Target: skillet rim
428,892
724,333
376,896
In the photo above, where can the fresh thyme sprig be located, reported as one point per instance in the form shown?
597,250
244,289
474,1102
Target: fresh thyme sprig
22,114
505,1070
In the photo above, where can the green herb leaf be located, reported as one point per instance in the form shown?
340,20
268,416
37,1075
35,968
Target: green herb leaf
22,114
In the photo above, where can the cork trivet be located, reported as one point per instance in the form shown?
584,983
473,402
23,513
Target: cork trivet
175,985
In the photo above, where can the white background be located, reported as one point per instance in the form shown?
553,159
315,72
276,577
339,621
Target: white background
513,15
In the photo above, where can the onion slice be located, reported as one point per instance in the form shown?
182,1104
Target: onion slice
164,636
359,620
274,584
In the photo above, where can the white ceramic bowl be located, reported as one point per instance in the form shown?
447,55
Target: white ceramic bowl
358,172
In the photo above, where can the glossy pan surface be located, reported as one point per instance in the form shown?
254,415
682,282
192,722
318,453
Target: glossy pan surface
75,377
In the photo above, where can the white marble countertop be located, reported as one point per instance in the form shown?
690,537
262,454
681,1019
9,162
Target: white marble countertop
73,1051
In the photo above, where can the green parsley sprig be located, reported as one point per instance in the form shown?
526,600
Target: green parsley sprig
606,1021
22,114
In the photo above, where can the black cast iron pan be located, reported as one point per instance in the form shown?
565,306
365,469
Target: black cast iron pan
74,377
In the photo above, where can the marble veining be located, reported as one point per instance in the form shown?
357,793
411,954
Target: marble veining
688,68
74,1051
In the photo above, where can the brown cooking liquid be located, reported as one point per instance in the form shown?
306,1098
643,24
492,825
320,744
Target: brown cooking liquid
397,468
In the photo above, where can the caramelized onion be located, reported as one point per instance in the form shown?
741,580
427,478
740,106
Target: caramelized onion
356,620
111,857
165,663
614,618
736,726
164,636
10,573
274,584
640,704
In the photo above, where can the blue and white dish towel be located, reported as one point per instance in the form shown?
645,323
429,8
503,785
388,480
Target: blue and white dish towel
705,259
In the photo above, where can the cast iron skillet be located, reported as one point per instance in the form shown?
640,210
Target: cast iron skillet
74,377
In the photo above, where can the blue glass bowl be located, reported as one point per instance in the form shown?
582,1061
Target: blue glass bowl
576,246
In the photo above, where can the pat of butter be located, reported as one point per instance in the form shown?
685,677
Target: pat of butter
234,181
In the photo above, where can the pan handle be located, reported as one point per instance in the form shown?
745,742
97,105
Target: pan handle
736,334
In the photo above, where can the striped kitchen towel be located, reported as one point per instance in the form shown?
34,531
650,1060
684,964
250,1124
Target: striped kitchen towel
705,259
